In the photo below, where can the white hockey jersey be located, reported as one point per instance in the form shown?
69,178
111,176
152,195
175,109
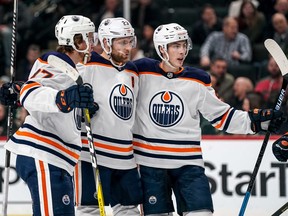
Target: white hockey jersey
47,133
167,131
115,91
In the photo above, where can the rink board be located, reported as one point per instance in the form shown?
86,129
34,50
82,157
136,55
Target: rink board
228,160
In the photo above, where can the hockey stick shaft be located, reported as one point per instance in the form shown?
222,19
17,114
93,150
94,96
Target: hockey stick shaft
276,53
281,210
98,184
10,110
73,73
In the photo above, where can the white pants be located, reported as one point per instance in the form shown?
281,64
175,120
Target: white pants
118,210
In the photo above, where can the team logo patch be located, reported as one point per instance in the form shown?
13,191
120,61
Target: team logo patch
152,200
166,109
66,199
122,101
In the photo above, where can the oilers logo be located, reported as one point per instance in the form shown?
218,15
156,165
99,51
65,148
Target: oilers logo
122,101
166,109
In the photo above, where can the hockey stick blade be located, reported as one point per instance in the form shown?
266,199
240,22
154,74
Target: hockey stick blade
281,210
65,67
276,52
281,60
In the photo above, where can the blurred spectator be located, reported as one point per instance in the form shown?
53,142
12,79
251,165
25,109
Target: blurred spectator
145,12
223,83
110,9
251,22
146,42
270,86
242,86
3,120
136,53
25,65
208,23
281,31
235,7
229,44
252,101
280,6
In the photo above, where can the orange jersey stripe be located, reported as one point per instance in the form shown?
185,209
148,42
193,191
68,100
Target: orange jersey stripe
28,86
222,120
50,142
183,78
166,149
44,188
109,147
76,178
110,66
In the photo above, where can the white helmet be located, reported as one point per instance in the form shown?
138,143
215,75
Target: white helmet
111,28
170,33
70,25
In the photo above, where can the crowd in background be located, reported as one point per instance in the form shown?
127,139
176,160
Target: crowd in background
227,39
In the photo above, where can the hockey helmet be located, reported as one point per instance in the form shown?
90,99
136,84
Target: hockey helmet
111,28
70,25
170,33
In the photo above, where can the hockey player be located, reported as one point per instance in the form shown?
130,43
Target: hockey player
48,144
167,132
115,83
280,148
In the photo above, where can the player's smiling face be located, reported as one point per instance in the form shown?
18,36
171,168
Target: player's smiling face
121,49
177,53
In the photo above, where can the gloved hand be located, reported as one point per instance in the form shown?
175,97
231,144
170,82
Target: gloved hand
93,110
80,96
280,148
9,94
260,119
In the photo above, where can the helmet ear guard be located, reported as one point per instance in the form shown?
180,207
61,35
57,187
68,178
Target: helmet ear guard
170,33
70,25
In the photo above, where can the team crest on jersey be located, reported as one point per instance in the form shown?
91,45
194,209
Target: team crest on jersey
166,109
122,101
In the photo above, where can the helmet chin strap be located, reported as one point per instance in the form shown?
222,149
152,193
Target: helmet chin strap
166,60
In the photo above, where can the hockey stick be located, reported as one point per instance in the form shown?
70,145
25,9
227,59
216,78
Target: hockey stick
282,62
73,73
10,111
281,210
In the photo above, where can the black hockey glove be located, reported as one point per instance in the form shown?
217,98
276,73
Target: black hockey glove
80,96
280,148
92,111
260,119
9,93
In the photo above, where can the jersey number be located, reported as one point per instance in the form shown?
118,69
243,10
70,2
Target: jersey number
43,73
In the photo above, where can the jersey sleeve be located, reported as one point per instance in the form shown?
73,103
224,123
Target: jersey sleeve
221,115
39,92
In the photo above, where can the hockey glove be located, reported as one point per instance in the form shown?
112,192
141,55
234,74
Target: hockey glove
80,96
9,93
260,119
280,148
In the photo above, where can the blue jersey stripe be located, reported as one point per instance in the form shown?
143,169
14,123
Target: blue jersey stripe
173,157
179,142
43,148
